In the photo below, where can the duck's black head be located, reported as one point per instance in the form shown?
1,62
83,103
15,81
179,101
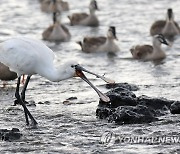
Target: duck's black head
170,13
112,30
162,39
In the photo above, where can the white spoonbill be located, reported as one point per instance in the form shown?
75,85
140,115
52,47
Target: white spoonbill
28,56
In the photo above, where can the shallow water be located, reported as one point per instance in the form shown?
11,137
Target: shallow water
73,127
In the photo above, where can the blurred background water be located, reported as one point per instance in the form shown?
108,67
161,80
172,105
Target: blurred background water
74,128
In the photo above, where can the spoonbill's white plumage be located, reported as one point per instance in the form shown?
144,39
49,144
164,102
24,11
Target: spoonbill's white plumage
29,57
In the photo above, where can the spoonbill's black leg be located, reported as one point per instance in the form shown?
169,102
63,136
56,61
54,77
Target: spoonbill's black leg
26,111
23,99
24,88
18,101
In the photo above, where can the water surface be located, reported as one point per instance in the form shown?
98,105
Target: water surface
74,128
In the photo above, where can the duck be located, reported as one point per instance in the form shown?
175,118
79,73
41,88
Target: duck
6,74
56,31
84,18
169,28
101,44
64,5
50,6
150,52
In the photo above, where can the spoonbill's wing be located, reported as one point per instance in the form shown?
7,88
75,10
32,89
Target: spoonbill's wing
24,55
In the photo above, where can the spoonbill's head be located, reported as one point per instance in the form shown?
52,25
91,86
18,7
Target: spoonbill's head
77,70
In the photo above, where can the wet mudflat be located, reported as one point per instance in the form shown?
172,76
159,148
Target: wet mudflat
70,125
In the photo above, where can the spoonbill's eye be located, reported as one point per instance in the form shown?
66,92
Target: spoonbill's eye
75,66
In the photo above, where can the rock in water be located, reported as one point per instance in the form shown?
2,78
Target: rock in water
10,135
126,108
125,85
155,103
120,97
175,108
132,114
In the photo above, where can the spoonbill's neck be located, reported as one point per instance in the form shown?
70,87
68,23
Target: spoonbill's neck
56,74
